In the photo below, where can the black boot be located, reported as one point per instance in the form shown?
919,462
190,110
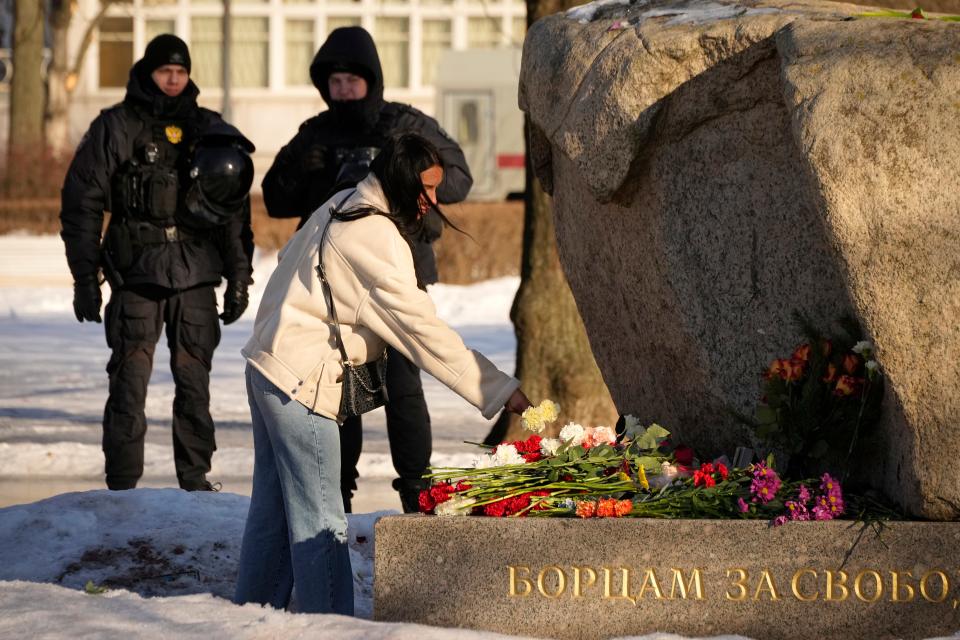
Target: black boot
409,490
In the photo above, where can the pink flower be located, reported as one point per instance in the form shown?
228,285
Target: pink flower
742,506
765,483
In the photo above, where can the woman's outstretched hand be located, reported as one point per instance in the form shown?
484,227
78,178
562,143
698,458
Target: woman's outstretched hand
517,402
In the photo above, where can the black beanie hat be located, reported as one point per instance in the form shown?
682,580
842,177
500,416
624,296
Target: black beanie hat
166,49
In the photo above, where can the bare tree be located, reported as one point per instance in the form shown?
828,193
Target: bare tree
26,95
62,76
554,359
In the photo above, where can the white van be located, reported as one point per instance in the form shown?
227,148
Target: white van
476,93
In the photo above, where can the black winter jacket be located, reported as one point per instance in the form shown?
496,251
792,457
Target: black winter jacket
292,190
201,257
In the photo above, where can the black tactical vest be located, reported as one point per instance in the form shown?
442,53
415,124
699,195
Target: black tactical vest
147,188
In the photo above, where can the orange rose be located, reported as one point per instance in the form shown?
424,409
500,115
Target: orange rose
831,373
851,362
794,370
801,353
846,385
776,369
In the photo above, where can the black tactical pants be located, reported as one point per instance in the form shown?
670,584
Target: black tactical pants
135,317
408,430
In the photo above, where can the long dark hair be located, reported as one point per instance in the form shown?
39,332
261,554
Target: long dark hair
398,167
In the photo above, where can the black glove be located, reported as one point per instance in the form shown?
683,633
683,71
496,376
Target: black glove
235,300
314,159
87,300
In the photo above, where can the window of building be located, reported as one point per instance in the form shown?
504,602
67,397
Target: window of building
153,28
519,30
437,38
483,32
116,51
392,36
206,36
299,54
335,22
250,52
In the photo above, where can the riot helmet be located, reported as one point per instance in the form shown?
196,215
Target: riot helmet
219,176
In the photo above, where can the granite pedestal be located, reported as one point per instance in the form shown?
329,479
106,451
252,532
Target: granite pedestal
601,578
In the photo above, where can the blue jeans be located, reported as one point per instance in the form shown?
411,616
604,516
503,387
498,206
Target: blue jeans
296,530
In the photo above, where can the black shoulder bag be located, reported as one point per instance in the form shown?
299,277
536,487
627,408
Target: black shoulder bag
363,387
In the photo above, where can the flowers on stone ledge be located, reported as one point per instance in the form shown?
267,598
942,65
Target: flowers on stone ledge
589,473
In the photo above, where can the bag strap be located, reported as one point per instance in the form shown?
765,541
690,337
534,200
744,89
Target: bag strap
327,294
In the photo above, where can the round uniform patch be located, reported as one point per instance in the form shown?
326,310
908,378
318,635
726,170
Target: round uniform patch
174,134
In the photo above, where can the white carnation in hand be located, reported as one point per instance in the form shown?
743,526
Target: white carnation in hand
573,434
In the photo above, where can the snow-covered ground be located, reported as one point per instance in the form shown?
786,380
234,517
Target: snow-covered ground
53,386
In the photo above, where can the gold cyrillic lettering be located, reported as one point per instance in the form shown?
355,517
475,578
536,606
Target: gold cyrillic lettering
795,586
877,589
650,578
766,579
514,579
741,583
895,587
944,584
840,585
561,581
624,585
591,578
694,583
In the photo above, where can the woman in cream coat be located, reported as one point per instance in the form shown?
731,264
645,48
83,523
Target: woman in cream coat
296,528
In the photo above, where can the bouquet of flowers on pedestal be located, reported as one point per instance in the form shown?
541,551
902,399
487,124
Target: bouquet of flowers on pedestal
591,472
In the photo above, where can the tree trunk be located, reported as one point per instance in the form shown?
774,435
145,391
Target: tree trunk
554,359
58,91
26,143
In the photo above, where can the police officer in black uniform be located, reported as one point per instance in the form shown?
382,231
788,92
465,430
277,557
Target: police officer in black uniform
333,150
175,178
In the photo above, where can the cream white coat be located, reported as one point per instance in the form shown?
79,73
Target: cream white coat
370,270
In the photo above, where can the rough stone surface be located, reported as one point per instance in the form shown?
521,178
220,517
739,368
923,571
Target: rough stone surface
717,166
455,572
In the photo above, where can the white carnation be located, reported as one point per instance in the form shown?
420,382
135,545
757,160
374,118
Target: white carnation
455,506
549,446
485,462
507,454
572,434
871,365
862,347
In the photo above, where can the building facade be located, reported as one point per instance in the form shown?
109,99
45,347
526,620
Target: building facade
273,43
